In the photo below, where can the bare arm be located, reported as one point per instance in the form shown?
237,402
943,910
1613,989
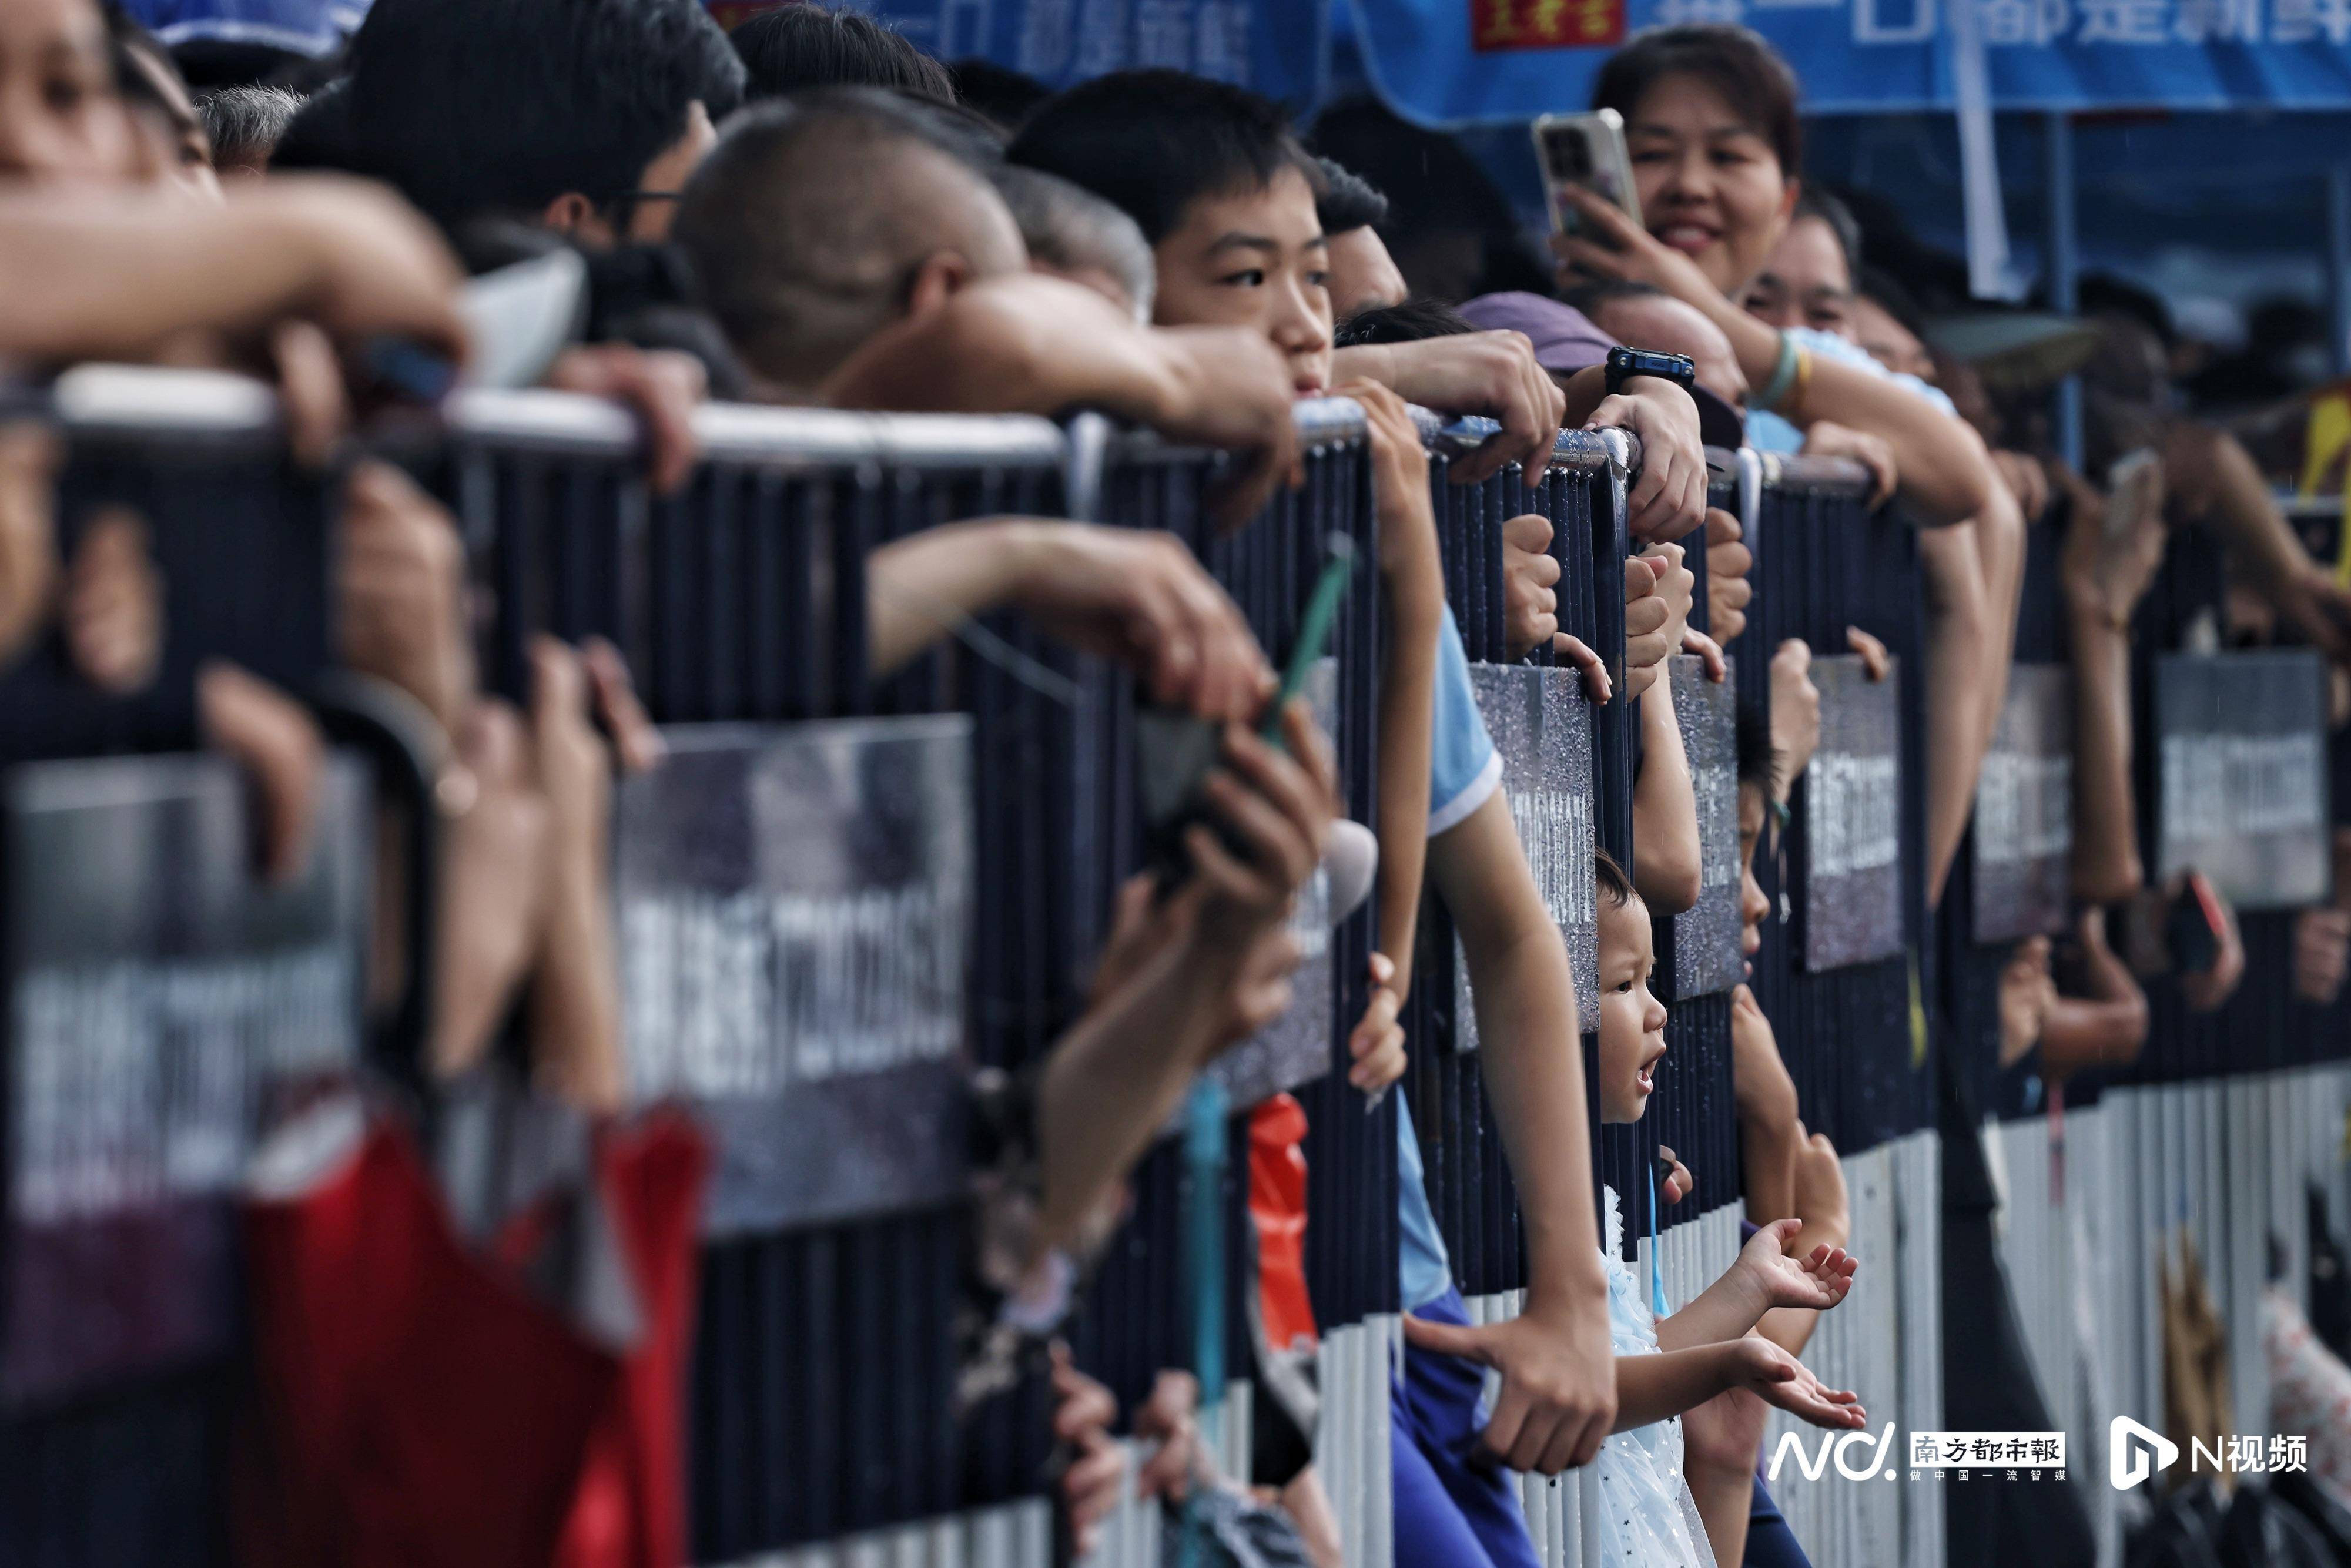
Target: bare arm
1526,1004
2108,1027
1557,1385
1959,635
1656,1387
1665,809
1136,595
2221,486
1766,1099
1947,475
1653,1388
2106,864
84,280
2104,576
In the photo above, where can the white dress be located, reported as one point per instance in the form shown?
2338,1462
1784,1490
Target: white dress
1647,1516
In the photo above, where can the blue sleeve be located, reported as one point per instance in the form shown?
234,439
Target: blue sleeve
1464,768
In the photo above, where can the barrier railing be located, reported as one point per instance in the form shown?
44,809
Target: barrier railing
166,1011
822,1416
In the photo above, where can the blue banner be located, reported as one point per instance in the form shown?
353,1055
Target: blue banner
1281,47
1457,62
305,27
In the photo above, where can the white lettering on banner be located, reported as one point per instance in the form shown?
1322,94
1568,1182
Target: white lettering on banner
1854,817
1046,37
1682,13
742,995
1101,36
2023,806
1869,29
1222,50
2218,21
2033,22
2126,22
136,1082
2302,21
1555,827
2225,785
1163,33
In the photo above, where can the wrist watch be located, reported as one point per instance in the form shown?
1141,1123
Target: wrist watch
1624,364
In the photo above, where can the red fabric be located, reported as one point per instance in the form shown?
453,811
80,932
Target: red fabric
412,1405
630,1511
1277,1214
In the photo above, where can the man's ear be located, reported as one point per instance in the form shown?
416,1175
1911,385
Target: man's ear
943,275
574,215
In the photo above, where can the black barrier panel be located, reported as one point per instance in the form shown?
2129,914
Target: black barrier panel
2023,837
1850,806
1466,1170
794,907
164,1010
1542,727
1295,1048
1854,1038
2241,743
1699,952
189,463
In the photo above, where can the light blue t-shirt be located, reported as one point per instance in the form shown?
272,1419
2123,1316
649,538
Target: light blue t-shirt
1464,772
1767,432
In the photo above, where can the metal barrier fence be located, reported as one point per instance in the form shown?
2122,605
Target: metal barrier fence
822,1427
163,1010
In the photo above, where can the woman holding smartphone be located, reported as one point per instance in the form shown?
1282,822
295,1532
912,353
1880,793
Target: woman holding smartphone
1711,129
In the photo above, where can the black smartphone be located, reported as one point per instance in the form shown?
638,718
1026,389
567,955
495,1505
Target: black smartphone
1177,749
2192,927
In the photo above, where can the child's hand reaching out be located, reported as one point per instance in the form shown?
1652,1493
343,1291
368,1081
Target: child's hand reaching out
1819,1279
1766,1370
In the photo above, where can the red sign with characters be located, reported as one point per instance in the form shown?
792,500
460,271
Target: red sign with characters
1545,24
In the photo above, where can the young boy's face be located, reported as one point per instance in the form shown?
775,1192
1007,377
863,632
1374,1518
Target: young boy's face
1257,259
1754,907
1631,1020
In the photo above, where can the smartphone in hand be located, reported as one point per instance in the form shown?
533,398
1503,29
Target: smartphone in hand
1586,151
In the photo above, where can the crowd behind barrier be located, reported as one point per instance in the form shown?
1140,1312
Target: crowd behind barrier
961,829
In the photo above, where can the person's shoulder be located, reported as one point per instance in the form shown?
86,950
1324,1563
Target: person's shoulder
1829,346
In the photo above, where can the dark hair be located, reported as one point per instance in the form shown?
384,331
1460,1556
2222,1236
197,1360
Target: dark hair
1885,291
1153,143
130,42
1735,61
2104,294
1004,95
1811,202
246,122
1348,201
1414,321
1069,227
790,48
1593,298
319,135
1758,759
1609,882
480,106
